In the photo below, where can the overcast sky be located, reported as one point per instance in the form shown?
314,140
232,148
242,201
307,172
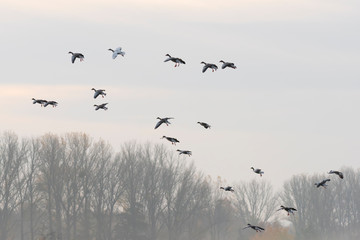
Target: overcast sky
291,106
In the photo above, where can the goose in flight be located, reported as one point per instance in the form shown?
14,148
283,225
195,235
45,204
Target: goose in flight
99,92
227,189
76,55
287,209
177,61
170,139
209,65
322,183
340,174
52,103
258,171
39,101
205,125
163,120
256,228
101,106
116,52
187,152
227,64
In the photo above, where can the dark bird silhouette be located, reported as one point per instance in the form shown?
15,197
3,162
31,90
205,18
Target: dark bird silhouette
187,152
340,174
205,125
177,61
256,228
209,65
75,56
287,209
172,140
322,183
101,106
163,120
227,189
227,64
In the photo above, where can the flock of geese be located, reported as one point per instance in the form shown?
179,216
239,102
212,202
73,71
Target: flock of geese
165,120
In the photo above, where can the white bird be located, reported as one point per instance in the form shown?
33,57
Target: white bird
101,106
116,52
76,55
187,152
227,64
163,120
99,92
177,61
52,103
258,171
209,65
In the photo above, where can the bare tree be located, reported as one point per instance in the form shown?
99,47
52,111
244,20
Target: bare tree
12,156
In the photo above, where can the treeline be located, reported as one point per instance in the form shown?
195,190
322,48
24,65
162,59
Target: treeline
73,187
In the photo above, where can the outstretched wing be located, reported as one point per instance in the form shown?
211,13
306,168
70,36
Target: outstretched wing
158,124
73,57
205,68
96,94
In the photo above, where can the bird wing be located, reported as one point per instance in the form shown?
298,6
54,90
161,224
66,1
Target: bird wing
73,57
169,59
45,103
261,228
182,61
205,68
158,124
96,94
114,55
341,175
246,227
224,65
293,209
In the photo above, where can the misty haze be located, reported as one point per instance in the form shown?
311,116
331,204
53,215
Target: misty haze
74,187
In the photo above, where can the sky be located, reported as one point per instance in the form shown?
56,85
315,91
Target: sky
290,107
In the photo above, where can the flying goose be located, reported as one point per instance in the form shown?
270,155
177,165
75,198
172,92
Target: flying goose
40,101
256,228
101,106
340,174
322,183
209,65
177,61
187,152
258,171
76,55
205,125
227,189
288,209
117,52
227,64
99,92
172,140
52,103
163,120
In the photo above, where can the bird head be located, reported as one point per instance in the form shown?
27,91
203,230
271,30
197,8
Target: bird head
222,61
111,50
203,63
252,168
168,55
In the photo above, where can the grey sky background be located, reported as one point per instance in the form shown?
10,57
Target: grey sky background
291,106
